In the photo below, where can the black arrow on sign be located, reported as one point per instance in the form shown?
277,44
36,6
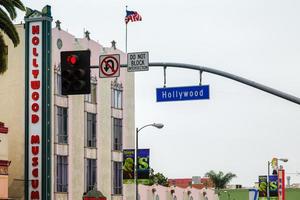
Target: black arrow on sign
109,64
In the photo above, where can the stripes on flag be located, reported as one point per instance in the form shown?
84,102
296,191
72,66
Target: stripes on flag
132,16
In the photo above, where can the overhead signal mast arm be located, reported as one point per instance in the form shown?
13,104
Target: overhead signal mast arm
254,84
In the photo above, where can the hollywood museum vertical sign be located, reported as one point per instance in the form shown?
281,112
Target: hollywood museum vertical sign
38,104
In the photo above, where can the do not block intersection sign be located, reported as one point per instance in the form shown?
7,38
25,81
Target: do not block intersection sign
138,61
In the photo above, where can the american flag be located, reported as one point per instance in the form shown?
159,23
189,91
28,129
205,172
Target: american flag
132,16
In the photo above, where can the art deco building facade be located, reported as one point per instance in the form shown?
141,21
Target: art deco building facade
89,132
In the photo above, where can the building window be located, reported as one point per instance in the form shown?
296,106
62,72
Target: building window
117,177
91,173
62,174
91,136
62,125
117,134
117,98
58,84
92,98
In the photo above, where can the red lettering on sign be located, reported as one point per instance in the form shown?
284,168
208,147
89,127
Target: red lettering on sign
35,161
35,73
35,107
35,139
34,118
34,52
35,172
35,40
35,85
35,183
35,195
36,29
34,63
35,150
35,96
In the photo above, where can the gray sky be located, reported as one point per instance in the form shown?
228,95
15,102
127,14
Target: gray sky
240,128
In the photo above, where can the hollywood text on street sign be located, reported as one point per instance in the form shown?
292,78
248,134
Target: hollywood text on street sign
137,61
182,93
109,66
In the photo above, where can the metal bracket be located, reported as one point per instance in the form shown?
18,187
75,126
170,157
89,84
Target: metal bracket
165,76
200,81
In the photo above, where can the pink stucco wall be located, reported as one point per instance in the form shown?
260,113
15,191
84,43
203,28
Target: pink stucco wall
4,163
3,186
169,193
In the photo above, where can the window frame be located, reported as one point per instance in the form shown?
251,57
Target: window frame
117,178
92,97
62,125
91,130
117,98
62,173
58,88
117,134
90,173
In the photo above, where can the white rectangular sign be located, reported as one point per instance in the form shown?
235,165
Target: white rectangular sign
35,110
138,61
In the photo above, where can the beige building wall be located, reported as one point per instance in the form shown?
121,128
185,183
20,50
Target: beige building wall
12,87
12,92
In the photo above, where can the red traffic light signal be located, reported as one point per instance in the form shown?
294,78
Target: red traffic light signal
72,59
75,72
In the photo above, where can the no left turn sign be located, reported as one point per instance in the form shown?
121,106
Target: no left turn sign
109,66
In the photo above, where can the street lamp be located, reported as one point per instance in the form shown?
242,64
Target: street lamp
156,125
268,180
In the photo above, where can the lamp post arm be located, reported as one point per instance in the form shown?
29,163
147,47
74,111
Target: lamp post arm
139,129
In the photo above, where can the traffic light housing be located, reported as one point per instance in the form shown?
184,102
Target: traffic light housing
75,72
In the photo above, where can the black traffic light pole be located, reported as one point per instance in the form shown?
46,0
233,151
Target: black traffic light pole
248,82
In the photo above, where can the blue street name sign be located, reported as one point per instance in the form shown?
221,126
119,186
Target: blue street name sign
182,93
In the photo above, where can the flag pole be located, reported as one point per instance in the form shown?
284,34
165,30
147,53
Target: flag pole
126,34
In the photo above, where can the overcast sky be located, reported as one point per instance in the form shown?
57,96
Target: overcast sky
240,128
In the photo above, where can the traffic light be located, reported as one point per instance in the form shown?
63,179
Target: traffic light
75,72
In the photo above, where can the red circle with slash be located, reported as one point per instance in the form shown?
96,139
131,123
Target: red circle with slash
109,62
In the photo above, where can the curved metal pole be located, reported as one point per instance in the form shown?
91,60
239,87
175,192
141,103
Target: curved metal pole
245,81
136,159
139,129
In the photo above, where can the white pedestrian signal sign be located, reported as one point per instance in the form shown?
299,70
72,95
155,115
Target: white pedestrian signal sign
138,61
